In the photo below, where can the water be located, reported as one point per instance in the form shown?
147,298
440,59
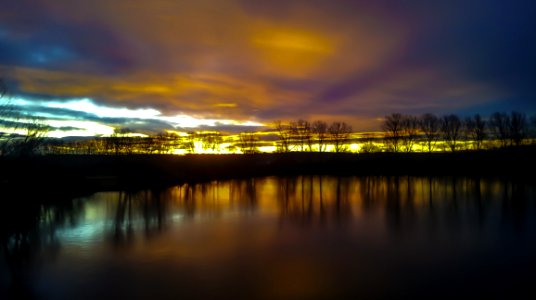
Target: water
279,238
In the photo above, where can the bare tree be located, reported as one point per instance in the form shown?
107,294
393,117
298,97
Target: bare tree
166,142
120,142
294,136
6,115
151,144
189,142
368,145
410,131
301,133
320,130
476,130
248,142
100,145
90,147
451,129
393,130
210,140
35,132
307,134
500,125
518,128
430,127
283,131
339,134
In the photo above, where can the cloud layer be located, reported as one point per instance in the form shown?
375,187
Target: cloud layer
265,60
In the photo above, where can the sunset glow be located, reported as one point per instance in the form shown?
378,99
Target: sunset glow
164,65
267,149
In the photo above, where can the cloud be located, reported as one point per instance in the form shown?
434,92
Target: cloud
90,118
259,61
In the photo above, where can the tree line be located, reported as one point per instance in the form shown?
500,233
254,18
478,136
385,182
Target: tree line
33,129
315,136
402,132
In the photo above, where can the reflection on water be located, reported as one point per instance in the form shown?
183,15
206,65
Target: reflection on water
296,237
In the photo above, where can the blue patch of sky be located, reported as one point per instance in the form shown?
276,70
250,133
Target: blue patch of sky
3,33
49,54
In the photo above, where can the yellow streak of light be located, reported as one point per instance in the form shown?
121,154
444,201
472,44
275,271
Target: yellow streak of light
293,41
227,105
267,149
178,133
355,147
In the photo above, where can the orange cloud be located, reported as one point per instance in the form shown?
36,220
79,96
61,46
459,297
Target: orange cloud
225,60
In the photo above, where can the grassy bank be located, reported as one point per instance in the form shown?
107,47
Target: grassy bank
76,172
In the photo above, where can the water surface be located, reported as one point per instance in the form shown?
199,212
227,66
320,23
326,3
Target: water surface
306,237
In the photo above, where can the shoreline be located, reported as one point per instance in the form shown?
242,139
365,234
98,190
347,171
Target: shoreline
92,172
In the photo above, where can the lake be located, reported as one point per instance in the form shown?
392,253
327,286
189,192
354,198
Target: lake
305,237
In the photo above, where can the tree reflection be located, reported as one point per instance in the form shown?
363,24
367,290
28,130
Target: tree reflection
447,204
244,194
314,200
123,232
155,212
343,211
28,237
397,206
515,207
134,213
214,199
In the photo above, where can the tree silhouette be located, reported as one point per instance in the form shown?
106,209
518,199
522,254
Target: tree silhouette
476,130
210,140
248,142
451,129
34,129
170,141
339,133
150,145
518,128
367,145
120,142
35,132
500,125
162,142
189,142
302,133
410,132
393,130
284,134
6,117
320,129
430,126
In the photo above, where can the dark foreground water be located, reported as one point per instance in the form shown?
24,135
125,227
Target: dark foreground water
279,238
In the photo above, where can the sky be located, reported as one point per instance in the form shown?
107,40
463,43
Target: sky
91,66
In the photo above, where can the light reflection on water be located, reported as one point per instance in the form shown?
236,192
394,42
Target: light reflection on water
296,237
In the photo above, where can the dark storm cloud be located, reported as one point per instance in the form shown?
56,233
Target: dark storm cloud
64,46
492,41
